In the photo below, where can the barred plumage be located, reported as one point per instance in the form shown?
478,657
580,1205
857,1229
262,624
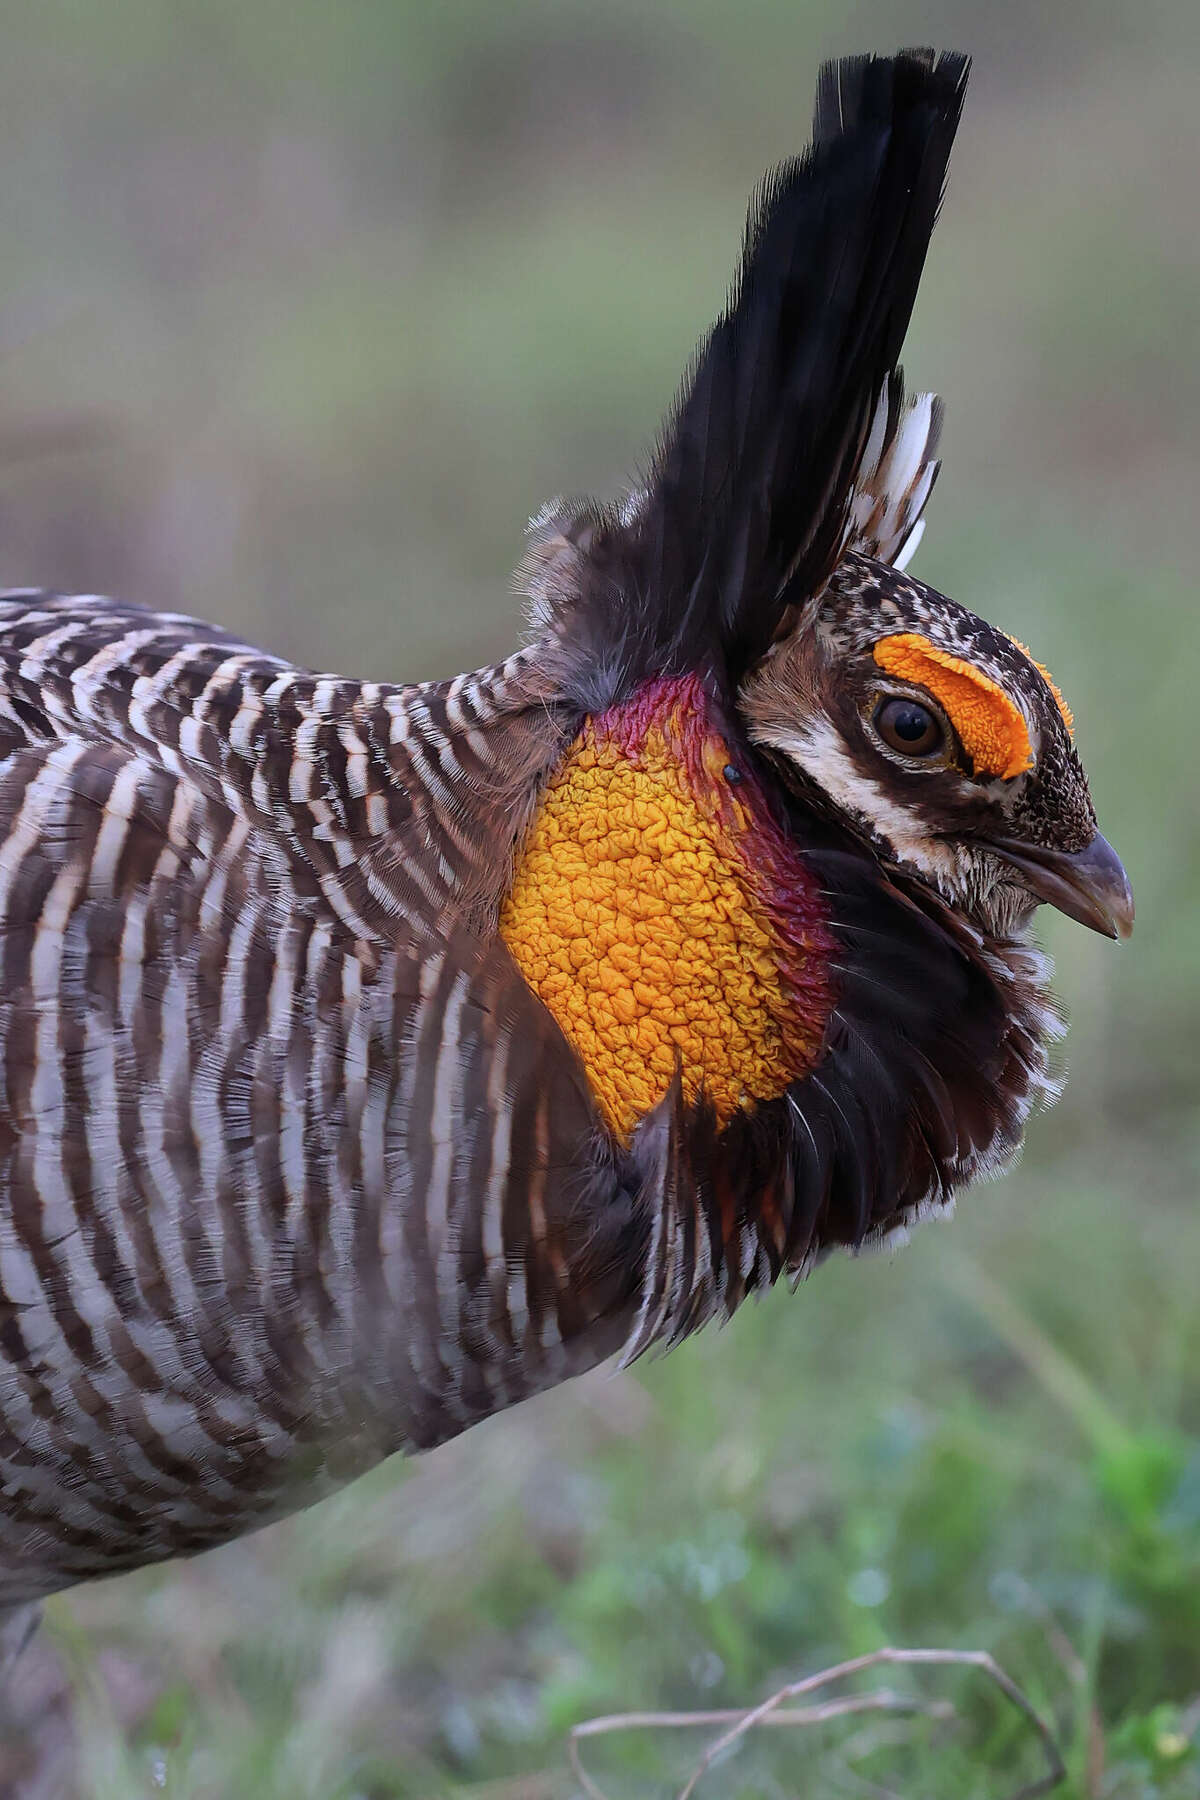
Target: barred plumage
234,1046
300,1160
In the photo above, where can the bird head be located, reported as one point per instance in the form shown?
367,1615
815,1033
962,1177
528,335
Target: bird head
943,744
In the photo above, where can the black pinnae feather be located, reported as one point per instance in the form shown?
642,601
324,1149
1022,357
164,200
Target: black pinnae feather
743,514
753,479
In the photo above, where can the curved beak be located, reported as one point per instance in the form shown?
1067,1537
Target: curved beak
1089,885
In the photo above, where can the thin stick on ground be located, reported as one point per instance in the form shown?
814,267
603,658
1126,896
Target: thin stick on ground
884,1700
1073,1666
773,1711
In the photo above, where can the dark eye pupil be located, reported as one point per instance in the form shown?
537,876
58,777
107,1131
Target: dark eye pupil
910,723
909,727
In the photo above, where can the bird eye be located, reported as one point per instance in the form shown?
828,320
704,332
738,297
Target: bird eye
907,726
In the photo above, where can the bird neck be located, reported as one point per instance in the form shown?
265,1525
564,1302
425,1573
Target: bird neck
663,917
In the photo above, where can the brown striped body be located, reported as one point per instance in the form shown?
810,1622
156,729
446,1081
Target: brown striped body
269,1212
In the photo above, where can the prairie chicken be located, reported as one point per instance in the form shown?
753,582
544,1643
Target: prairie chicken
376,1056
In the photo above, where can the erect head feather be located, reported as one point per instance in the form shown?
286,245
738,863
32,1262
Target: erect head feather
792,437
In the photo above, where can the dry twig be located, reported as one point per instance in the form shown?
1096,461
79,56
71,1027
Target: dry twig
772,1711
1075,1670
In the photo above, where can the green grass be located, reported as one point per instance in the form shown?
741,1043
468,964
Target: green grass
349,291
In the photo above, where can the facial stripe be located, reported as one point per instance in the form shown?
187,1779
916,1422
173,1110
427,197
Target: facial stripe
990,726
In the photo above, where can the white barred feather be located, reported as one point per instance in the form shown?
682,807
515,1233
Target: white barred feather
895,476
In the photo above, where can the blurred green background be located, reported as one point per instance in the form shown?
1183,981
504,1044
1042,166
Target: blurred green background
304,308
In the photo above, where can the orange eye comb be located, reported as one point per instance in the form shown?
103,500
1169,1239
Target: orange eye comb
990,726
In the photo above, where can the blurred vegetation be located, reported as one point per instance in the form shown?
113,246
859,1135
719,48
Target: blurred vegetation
303,310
